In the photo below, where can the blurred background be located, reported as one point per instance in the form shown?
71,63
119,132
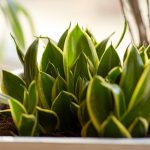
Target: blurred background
51,18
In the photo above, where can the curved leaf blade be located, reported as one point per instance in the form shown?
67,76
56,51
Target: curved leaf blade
112,127
62,107
27,125
13,85
78,41
48,120
132,70
109,60
89,131
31,98
17,109
62,39
139,127
45,84
54,55
99,101
30,63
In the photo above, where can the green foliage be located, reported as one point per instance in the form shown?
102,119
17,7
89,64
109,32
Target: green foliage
80,88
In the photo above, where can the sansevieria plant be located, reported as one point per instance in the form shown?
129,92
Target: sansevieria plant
80,88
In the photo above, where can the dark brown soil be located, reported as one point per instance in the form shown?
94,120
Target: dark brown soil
7,126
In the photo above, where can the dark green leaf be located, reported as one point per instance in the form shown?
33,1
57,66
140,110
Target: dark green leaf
132,70
45,84
83,113
89,131
62,107
31,98
140,100
51,70
58,86
78,41
139,128
30,63
17,109
99,101
109,60
114,75
119,99
101,47
112,127
27,125
79,85
148,51
48,120
143,54
54,55
70,83
62,39
13,85
19,51
91,36
81,68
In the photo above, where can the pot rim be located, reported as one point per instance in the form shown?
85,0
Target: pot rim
66,140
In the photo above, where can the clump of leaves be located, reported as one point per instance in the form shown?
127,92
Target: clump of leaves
81,87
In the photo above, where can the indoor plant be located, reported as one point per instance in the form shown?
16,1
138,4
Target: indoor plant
81,88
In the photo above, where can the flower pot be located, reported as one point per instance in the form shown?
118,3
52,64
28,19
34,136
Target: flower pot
35,143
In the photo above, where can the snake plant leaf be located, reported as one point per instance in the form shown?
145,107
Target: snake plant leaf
112,127
101,47
126,54
123,34
148,51
12,85
91,36
17,109
114,75
51,70
27,125
19,51
30,63
48,120
83,114
61,105
89,130
99,101
78,41
83,93
109,60
140,100
52,54
119,99
70,83
58,86
62,39
81,68
139,127
31,98
132,70
79,87
45,84
144,57
74,107
143,54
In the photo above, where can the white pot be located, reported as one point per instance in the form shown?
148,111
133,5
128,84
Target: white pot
41,143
